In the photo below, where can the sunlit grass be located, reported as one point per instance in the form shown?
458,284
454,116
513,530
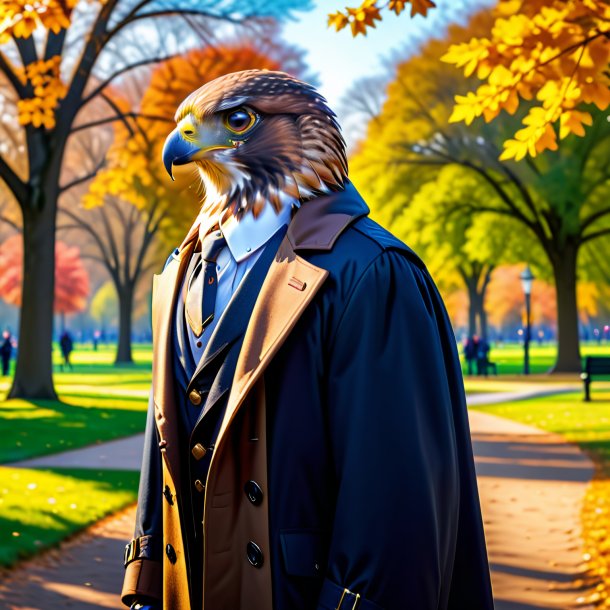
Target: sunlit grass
39,508
98,402
509,356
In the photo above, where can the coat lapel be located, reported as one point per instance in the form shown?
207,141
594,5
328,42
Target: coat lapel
165,293
234,321
289,287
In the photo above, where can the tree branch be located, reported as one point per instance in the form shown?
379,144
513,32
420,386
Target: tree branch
594,217
121,117
132,18
85,178
107,81
12,180
7,69
591,236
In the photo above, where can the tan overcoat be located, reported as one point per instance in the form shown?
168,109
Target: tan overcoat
229,519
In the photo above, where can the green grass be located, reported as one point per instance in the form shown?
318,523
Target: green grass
509,356
40,508
585,423
98,402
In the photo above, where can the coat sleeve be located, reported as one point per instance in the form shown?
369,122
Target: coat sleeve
407,530
143,566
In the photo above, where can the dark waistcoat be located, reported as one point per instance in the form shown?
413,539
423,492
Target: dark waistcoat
210,379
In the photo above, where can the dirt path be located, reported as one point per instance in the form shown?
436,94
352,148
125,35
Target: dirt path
84,574
531,485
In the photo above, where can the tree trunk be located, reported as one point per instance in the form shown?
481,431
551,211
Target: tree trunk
568,351
482,315
472,306
125,296
481,295
34,369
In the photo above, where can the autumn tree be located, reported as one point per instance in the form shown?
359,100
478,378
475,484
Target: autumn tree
55,58
461,249
71,277
560,197
555,52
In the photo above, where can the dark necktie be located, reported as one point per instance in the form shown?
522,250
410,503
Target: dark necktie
198,307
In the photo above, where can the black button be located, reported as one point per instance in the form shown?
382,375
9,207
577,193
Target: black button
254,553
254,492
171,554
168,495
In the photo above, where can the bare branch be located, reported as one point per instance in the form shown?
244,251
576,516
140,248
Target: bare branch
120,117
107,81
7,69
12,180
132,18
85,178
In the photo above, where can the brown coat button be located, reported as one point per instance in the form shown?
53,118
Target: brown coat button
198,451
199,486
195,397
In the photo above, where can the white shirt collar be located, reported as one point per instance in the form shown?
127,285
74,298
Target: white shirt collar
247,234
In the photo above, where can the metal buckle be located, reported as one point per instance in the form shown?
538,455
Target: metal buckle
348,592
131,551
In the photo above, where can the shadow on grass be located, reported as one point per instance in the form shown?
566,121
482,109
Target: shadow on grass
42,427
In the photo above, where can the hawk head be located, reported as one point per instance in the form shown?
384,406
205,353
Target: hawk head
258,136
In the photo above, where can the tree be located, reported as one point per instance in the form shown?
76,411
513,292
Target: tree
132,201
461,249
50,84
560,197
554,51
104,306
71,277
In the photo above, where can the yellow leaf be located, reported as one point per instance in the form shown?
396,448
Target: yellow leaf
397,6
337,20
421,7
573,121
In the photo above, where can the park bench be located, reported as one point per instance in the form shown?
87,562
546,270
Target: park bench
595,366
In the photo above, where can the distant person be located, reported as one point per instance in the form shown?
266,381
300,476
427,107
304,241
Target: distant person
470,353
482,351
6,351
67,345
96,339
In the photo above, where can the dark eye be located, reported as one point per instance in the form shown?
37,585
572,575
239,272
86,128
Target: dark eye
239,120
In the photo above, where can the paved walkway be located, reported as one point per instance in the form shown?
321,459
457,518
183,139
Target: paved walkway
531,485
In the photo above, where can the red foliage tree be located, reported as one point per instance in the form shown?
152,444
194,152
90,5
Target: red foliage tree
71,277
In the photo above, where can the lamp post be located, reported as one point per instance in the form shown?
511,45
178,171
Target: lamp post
527,279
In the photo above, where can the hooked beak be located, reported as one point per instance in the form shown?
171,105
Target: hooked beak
177,151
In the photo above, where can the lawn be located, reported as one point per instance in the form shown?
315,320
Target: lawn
40,508
509,356
587,425
98,402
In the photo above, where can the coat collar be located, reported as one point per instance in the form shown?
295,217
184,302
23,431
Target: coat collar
290,285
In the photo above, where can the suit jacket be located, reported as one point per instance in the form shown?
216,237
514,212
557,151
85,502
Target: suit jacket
342,475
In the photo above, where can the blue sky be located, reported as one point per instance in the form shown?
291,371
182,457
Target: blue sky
339,59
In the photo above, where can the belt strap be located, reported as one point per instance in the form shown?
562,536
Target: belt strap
334,597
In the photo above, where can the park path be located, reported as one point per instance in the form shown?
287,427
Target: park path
531,485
